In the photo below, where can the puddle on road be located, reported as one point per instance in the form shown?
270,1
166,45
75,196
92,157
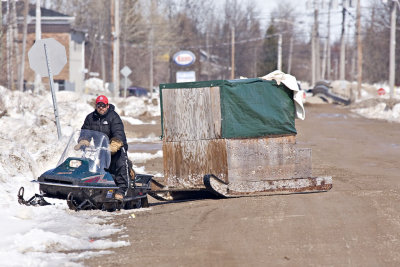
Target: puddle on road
145,147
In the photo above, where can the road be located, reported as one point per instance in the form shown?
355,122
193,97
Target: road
357,223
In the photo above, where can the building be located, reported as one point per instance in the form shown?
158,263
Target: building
53,25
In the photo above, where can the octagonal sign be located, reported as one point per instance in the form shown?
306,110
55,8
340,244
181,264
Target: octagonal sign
56,54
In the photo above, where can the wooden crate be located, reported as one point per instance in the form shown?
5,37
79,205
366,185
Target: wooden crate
193,146
234,160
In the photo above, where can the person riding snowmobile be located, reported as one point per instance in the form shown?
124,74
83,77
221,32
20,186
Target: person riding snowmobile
104,119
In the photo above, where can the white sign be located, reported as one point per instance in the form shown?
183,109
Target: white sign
56,56
185,76
125,71
184,58
128,82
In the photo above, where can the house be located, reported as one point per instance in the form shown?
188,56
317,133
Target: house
53,25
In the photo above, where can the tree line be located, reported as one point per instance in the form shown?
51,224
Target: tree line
151,31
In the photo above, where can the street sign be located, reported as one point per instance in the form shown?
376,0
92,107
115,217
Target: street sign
47,57
184,58
128,82
57,57
381,91
125,71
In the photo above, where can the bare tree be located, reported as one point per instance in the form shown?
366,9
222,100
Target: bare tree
375,43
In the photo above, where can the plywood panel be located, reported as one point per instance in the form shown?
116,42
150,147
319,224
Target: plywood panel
268,158
191,114
186,162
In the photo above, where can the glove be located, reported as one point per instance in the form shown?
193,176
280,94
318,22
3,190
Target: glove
115,145
82,143
132,173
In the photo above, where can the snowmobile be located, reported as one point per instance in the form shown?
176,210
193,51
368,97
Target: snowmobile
82,178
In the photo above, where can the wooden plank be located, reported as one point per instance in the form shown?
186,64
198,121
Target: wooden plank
186,162
268,158
215,112
191,114
287,186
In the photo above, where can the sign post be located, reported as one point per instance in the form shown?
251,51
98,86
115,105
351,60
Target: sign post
126,71
48,57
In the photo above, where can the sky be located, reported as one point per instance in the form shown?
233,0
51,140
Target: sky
45,236
306,15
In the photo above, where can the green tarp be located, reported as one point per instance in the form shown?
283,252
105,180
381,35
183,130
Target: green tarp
250,107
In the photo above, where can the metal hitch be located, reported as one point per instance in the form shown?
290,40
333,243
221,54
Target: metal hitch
36,200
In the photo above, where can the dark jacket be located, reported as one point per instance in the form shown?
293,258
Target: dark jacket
110,124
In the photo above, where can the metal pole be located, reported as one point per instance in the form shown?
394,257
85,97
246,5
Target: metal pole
53,94
279,67
125,85
392,49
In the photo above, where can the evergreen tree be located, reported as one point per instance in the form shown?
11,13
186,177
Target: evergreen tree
268,59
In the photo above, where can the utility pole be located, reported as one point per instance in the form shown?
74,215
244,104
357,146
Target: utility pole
151,41
392,63
279,67
323,71
38,36
208,55
233,53
328,44
25,31
343,44
8,45
359,50
102,59
315,66
290,55
116,49
14,26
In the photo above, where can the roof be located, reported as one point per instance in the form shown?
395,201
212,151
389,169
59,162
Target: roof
32,11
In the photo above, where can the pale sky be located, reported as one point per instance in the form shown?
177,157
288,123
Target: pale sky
306,17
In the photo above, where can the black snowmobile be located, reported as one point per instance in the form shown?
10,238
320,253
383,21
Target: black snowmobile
82,179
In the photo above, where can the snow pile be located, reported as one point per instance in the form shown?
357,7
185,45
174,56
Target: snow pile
136,107
95,85
143,157
381,112
49,235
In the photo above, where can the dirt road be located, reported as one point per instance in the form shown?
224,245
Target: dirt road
357,223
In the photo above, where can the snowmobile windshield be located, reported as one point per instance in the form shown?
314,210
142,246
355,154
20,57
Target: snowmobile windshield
91,146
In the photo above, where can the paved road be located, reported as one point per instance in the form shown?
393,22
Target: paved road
357,223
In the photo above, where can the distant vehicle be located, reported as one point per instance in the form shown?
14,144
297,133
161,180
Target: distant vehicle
322,89
134,91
